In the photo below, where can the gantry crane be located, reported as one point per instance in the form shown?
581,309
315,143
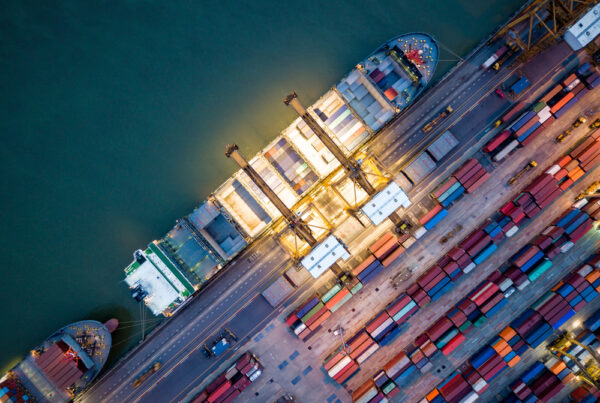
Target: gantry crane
351,166
555,16
591,192
589,371
297,224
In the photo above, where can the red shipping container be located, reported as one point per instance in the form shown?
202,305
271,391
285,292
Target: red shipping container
453,343
552,392
476,177
429,275
467,166
566,184
496,141
492,302
397,306
581,148
563,101
464,261
539,183
542,241
499,367
527,125
434,281
507,208
548,200
560,174
456,253
589,152
474,172
467,306
472,239
589,165
513,111
439,328
430,214
581,230
524,258
555,90
375,323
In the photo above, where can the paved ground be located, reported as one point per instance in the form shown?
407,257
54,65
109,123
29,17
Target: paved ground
233,299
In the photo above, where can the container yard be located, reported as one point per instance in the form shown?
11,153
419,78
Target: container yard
436,281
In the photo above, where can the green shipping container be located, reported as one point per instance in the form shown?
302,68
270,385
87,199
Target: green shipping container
465,326
310,313
539,270
388,387
342,302
446,338
331,293
539,106
480,321
356,288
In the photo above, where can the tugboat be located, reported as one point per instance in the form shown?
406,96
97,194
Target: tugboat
62,366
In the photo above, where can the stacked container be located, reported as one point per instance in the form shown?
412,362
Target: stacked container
386,249
536,383
433,217
230,384
585,393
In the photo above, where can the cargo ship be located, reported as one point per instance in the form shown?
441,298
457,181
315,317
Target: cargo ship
62,366
165,274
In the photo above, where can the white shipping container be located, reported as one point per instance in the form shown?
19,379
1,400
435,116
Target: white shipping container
367,353
470,398
566,247
506,150
510,291
553,169
382,327
479,385
420,232
573,84
580,203
369,394
299,329
409,242
512,231
489,61
469,268
339,366
585,270
525,284
505,284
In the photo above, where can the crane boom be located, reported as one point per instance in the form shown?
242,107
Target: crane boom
295,222
349,165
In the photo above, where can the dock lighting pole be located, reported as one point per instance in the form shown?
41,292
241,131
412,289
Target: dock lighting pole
295,222
350,166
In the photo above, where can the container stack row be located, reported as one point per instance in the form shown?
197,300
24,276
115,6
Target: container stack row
537,383
585,393
230,384
531,123
484,301
504,350
309,316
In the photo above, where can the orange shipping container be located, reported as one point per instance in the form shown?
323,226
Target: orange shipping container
570,376
565,185
380,242
432,395
330,363
393,256
363,265
361,349
593,276
514,361
508,333
576,174
320,321
362,389
558,367
337,298
564,160
387,248
557,106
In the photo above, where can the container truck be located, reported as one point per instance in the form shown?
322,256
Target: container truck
435,121
155,367
513,180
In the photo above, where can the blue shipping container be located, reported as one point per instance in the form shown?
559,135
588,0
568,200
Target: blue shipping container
534,259
564,319
576,223
568,218
436,219
532,372
520,85
496,308
368,278
480,357
453,197
484,254
565,108
528,132
565,290
593,322
442,291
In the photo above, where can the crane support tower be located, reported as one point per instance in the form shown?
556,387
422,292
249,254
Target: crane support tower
351,166
592,192
296,223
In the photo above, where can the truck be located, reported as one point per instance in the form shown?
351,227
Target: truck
530,164
491,61
220,345
139,380
578,122
436,120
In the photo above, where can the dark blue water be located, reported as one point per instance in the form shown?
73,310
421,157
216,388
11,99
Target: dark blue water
114,116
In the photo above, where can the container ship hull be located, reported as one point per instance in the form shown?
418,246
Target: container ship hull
293,165
62,366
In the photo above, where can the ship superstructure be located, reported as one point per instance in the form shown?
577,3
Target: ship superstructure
298,167
62,366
